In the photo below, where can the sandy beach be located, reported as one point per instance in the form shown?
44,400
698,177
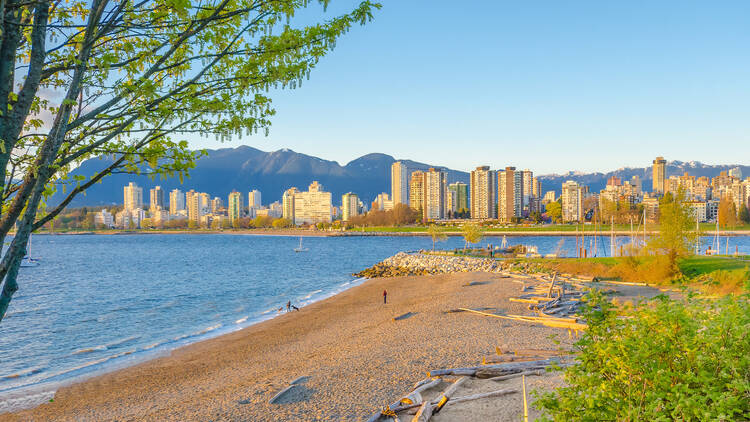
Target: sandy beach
356,356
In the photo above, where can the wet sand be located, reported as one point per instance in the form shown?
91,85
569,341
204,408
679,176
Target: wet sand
356,356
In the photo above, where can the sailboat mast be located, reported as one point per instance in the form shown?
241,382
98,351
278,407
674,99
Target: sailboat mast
612,234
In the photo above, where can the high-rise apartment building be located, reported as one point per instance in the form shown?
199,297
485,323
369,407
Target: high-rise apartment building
287,204
133,197
399,183
313,206
205,203
549,196
194,206
235,206
435,190
416,191
189,199
216,205
572,202
349,206
458,197
659,175
527,181
176,201
254,199
635,181
483,185
156,196
535,198
510,194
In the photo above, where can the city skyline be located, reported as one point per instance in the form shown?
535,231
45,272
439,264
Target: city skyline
508,195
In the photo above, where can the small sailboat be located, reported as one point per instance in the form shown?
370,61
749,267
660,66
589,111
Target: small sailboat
300,248
28,261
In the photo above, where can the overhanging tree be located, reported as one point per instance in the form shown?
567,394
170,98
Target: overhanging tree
126,80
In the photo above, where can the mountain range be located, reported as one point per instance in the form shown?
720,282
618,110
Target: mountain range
245,168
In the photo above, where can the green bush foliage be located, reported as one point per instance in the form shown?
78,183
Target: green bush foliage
666,360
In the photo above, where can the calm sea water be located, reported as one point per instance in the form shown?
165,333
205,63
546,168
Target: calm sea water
100,302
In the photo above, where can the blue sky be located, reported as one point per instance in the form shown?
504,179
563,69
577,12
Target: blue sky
547,85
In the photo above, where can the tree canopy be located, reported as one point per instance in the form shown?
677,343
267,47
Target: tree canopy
129,81
676,237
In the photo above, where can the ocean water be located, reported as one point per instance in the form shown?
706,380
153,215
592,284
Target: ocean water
97,303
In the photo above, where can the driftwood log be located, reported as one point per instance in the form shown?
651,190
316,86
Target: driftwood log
415,397
537,372
510,368
533,352
509,358
448,393
424,413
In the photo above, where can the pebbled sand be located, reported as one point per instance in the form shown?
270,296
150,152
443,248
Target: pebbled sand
356,356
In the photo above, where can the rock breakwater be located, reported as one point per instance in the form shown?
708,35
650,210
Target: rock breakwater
403,264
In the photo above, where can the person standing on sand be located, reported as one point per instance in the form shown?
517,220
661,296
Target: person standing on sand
288,305
385,296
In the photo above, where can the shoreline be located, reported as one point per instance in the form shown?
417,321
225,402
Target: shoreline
45,390
211,379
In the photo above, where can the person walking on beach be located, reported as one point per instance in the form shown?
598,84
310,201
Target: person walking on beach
288,305
385,296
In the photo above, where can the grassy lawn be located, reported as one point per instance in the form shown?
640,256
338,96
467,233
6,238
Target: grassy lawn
699,265
713,274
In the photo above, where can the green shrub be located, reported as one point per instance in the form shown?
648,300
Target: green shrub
666,360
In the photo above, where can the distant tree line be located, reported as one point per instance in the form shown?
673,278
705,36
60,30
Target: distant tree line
400,215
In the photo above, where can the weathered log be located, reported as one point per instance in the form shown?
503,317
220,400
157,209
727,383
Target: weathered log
496,393
275,399
393,408
424,413
415,397
509,358
496,372
552,285
537,372
543,318
421,383
448,393
453,371
511,367
531,352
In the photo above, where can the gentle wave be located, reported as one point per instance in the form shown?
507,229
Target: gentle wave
241,320
89,350
122,341
91,363
24,372
26,311
311,294
105,346
207,329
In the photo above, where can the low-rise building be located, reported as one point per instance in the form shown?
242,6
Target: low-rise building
104,218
